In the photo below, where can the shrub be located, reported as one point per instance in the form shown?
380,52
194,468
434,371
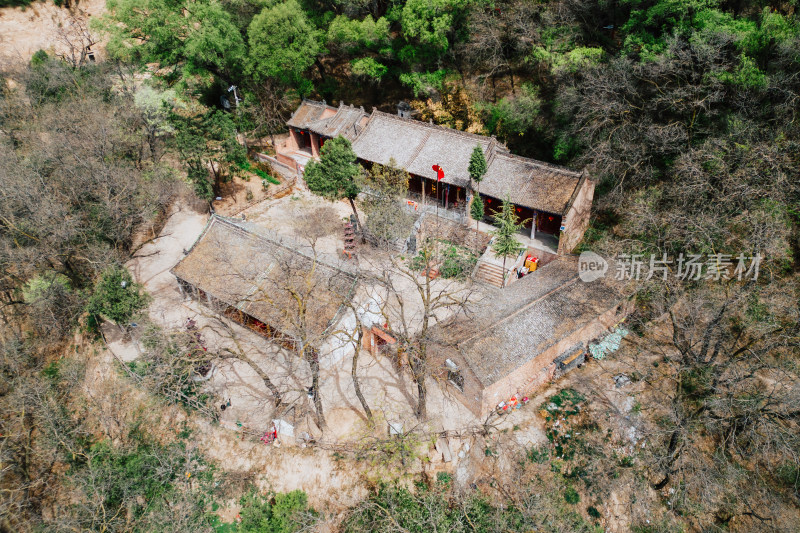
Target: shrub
116,297
571,496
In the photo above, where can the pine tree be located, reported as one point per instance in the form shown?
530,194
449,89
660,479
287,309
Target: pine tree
476,211
505,244
477,167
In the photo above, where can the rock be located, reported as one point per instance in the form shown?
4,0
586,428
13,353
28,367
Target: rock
620,380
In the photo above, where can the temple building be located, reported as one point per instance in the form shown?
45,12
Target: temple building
552,200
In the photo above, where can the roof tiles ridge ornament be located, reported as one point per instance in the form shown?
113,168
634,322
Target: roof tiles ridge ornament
431,125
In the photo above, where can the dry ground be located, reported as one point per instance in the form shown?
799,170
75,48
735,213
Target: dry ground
23,31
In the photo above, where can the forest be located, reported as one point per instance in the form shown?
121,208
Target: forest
685,112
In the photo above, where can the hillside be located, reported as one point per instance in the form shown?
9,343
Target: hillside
134,400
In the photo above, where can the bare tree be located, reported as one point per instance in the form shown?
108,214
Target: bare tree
726,405
75,42
417,298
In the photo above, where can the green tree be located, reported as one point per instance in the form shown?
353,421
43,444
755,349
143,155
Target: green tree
505,244
283,45
476,210
477,167
431,22
186,38
117,297
335,176
477,170
208,142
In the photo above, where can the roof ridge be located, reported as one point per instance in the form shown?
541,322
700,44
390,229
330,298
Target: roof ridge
431,125
419,148
543,164
492,141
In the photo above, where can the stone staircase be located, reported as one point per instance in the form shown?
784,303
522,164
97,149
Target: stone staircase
489,273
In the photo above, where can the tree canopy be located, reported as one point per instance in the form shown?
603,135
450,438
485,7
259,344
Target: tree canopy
283,44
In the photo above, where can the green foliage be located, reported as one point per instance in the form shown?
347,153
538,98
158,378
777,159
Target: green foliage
207,140
423,83
504,242
456,261
38,287
564,399
273,513
564,149
476,209
568,61
283,44
40,57
538,454
432,21
571,496
368,67
477,164
512,115
264,175
117,297
356,35
191,37
335,175
747,75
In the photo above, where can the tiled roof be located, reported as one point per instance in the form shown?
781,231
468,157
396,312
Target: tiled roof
308,112
249,268
530,183
417,146
345,123
518,323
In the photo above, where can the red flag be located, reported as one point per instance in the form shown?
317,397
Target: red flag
439,172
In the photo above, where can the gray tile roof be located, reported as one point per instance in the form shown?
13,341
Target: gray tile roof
530,183
516,324
417,146
308,112
249,267
345,123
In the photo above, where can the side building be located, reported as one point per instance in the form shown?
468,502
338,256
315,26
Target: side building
553,200
276,287
523,338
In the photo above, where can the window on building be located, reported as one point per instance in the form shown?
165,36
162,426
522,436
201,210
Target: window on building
454,375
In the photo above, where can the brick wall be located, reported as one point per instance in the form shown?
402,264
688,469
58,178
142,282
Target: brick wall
526,379
576,220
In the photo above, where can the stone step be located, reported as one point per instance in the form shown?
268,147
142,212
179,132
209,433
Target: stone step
489,273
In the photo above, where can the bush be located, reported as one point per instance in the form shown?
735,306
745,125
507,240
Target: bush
571,496
273,513
116,297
